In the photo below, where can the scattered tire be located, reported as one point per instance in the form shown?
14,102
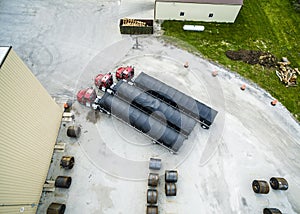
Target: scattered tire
56,208
73,131
260,186
153,179
67,162
63,181
171,176
170,189
151,209
152,196
279,183
155,163
271,211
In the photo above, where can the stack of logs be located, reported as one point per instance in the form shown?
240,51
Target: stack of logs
133,22
286,74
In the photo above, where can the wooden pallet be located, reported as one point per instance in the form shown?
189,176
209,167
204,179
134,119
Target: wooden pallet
67,117
49,186
59,147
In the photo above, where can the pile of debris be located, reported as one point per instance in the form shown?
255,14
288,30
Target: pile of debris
253,57
286,74
267,60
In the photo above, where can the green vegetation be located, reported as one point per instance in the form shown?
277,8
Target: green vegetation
264,25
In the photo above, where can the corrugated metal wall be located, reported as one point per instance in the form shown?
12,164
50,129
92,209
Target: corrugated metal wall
29,124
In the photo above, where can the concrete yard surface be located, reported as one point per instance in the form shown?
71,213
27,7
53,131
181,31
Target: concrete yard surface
67,43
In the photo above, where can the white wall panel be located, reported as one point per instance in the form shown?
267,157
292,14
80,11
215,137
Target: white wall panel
196,12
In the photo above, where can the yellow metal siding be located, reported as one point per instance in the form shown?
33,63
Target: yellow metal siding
29,125
196,12
14,209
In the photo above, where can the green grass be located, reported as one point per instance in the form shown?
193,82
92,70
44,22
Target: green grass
264,25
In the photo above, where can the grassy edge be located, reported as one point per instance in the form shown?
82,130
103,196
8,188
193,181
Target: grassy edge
189,48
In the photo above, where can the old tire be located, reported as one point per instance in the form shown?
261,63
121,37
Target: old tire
56,208
271,211
260,186
152,196
63,181
73,131
171,176
170,189
279,183
67,162
152,209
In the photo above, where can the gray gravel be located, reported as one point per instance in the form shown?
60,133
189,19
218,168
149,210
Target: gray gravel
67,43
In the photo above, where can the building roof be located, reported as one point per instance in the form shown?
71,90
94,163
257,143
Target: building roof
3,53
231,2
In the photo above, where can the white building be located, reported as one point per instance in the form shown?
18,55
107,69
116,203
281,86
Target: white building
198,10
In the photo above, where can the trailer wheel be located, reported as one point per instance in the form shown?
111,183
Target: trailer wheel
204,126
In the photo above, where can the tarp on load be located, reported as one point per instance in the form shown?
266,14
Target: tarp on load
156,108
142,121
177,99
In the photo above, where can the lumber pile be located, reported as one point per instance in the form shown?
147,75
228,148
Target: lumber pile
287,74
133,22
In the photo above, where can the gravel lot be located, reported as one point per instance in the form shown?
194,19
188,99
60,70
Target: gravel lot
67,43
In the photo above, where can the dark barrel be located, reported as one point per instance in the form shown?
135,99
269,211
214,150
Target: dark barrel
279,183
56,208
272,211
171,176
151,196
153,179
260,186
67,162
73,131
155,163
170,189
152,209
63,181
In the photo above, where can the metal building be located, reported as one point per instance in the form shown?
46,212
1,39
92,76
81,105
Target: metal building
29,125
198,10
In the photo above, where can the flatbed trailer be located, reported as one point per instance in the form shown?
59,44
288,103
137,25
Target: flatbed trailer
184,103
154,129
161,111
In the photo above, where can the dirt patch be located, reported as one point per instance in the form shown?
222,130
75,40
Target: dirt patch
93,116
253,57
